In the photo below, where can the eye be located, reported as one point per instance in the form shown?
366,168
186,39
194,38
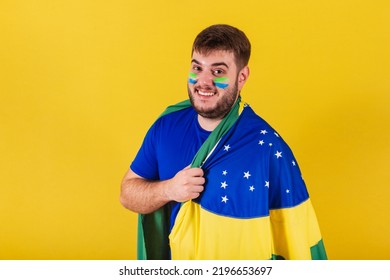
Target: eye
218,72
196,68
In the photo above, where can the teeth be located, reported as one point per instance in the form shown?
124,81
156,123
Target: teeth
206,93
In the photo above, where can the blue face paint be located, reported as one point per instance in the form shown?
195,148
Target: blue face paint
221,82
193,78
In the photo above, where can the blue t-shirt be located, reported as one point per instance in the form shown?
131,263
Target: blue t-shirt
169,146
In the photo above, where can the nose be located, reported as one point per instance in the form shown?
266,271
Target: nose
205,79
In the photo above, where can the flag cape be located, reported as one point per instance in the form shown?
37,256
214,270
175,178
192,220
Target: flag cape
237,213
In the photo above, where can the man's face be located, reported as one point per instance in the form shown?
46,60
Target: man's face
214,83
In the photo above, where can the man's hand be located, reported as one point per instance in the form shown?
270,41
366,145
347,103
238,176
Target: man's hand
145,196
185,185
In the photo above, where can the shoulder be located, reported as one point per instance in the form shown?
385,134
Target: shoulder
173,123
255,124
253,121
176,117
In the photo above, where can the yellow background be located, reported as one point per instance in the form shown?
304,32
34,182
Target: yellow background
82,80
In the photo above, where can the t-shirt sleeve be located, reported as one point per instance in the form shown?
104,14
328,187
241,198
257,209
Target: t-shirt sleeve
145,163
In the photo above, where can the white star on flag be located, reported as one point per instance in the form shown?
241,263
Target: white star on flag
287,191
277,135
251,188
266,184
224,172
293,163
261,142
263,131
247,174
278,154
226,148
224,185
224,199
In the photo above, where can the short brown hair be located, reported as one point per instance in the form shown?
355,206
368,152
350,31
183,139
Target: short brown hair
223,37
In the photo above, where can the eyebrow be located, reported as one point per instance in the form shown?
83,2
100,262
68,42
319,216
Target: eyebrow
214,64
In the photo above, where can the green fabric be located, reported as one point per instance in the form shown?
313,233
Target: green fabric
141,250
216,135
177,107
153,232
277,258
318,251
153,228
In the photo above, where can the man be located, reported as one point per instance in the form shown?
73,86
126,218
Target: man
212,180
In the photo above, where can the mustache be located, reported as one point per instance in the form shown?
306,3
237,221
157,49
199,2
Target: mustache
205,87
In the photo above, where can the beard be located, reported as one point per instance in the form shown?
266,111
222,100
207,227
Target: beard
221,108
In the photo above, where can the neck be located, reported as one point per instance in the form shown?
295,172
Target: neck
208,124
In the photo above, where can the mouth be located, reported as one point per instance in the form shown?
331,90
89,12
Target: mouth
205,93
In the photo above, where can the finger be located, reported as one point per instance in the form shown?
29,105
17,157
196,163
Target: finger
197,189
198,181
187,167
195,195
196,172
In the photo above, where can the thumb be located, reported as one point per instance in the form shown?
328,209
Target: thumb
187,167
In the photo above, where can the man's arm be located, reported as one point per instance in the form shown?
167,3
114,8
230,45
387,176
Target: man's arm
145,196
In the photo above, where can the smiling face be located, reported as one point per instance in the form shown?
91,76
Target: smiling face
215,83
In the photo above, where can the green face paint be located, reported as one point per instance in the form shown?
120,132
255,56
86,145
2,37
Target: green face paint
192,78
221,82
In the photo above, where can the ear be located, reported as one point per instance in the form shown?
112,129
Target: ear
242,77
